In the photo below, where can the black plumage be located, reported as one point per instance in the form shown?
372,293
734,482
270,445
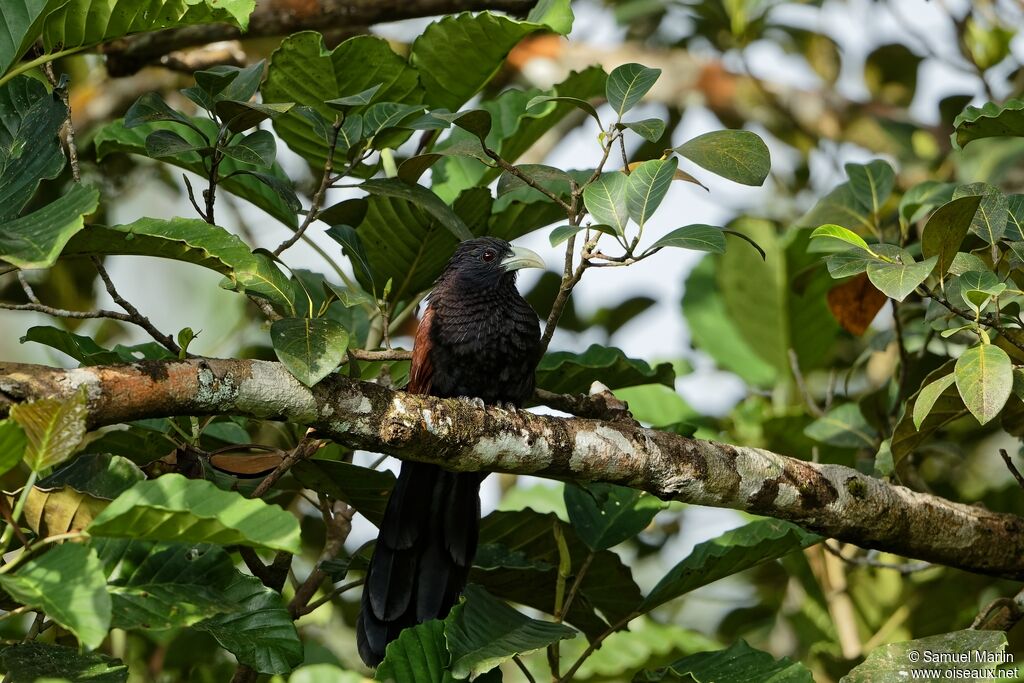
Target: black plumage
480,339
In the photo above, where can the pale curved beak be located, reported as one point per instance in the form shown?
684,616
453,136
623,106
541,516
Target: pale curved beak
521,257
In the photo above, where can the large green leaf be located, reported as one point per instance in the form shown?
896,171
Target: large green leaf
171,585
35,240
458,55
86,351
871,183
739,155
898,280
946,229
748,546
19,20
30,151
946,407
33,661
527,535
260,631
989,121
12,444
947,652
364,489
843,426
738,663
115,137
984,376
54,428
309,347
647,186
483,632
423,198
713,330
605,199
605,515
173,508
565,372
696,237
627,84
927,397
304,71
193,241
77,24
417,654
990,220
67,583
770,312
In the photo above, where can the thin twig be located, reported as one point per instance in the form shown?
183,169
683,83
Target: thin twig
596,643
134,315
903,568
305,449
330,596
1010,466
794,364
522,667
318,196
514,170
69,126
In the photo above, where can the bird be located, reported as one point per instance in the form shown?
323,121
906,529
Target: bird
478,339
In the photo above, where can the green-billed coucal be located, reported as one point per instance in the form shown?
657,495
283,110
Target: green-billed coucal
480,339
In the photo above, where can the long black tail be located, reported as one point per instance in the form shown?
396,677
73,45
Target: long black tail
424,551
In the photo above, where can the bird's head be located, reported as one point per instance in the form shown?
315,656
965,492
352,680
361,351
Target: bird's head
487,261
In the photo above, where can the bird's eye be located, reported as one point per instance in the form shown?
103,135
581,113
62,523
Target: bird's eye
488,255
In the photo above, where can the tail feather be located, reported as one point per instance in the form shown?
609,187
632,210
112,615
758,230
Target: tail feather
426,546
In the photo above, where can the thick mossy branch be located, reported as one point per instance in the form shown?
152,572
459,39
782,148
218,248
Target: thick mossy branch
829,499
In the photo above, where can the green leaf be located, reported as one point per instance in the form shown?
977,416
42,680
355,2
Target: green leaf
839,207
12,444
927,397
978,286
76,24
748,546
580,104
151,108
417,654
364,489
738,155
484,632
324,673
309,347
627,84
738,663
171,585
565,372
946,229
86,351
384,115
648,129
646,187
457,55
357,100
193,241
871,183
173,508
605,199
948,653
235,178
714,330
30,150
984,377
32,661
242,116
259,632
54,428
898,280
99,474
303,59
167,143
68,584
948,406
989,121
423,198
990,220
697,237
842,234
605,515
257,148
657,404
922,198
36,239
843,426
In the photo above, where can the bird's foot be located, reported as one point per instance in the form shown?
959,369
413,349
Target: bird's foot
476,401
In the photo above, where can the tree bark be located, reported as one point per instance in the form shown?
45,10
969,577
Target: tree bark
832,500
281,17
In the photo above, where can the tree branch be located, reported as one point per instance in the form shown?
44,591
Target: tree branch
282,17
831,500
